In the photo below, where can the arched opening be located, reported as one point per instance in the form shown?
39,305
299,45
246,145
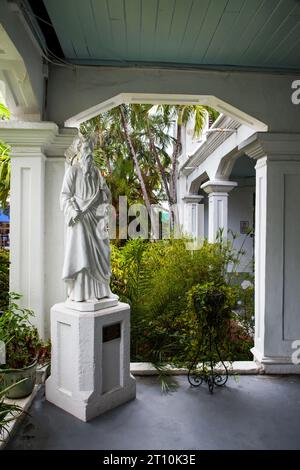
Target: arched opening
201,168
241,209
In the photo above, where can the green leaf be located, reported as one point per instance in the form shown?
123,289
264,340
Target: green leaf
4,112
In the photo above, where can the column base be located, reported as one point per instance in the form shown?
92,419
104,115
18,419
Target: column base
275,365
90,366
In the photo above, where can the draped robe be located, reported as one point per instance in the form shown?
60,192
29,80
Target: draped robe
86,268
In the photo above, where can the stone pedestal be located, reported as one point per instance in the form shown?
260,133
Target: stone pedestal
90,367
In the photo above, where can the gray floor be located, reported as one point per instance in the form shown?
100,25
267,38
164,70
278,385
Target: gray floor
251,412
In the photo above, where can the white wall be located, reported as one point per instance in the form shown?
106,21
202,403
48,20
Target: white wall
264,96
55,290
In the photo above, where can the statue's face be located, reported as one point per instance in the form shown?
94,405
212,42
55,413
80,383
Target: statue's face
86,156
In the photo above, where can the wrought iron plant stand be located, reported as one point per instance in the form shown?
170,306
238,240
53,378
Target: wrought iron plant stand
202,369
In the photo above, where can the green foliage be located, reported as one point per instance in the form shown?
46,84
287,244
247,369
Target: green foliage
4,279
245,306
8,411
211,305
4,163
23,344
158,280
4,112
151,132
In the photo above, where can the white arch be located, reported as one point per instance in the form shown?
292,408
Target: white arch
161,98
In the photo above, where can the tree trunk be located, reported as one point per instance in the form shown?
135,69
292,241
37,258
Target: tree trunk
174,175
161,168
135,160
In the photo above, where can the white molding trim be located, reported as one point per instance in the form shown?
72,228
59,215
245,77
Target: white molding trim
165,98
215,186
28,138
273,145
192,198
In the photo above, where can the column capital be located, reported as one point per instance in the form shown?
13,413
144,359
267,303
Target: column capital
218,186
192,198
273,145
34,138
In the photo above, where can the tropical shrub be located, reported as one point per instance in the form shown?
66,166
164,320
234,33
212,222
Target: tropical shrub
211,305
157,279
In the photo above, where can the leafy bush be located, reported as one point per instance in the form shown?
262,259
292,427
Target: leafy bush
21,338
4,279
157,279
211,305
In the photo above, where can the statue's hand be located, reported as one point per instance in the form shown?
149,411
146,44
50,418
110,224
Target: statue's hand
77,217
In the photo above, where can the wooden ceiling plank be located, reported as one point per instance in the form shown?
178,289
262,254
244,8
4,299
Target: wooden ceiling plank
224,27
116,9
285,47
248,9
179,24
255,24
149,13
133,18
193,28
103,25
260,45
60,23
209,26
163,48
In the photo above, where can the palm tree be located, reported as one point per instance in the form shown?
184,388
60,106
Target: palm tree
138,137
125,124
155,128
182,115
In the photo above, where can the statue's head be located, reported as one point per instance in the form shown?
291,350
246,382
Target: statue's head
86,154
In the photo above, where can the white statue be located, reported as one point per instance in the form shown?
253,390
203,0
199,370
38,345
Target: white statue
84,196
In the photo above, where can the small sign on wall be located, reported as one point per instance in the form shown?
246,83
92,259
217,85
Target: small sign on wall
111,332
244,226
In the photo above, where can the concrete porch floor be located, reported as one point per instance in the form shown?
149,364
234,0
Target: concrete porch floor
251,412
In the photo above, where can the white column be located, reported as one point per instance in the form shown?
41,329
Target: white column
217,206
277,254
36,225
27,227
193,215
54,236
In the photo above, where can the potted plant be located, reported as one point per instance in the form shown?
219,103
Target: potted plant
23,347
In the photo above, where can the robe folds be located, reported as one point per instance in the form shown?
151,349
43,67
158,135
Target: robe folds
86,267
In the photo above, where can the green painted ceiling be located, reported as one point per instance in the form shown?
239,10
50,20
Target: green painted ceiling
239,33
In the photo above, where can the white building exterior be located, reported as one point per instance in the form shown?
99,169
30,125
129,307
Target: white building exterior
49,100
216,186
